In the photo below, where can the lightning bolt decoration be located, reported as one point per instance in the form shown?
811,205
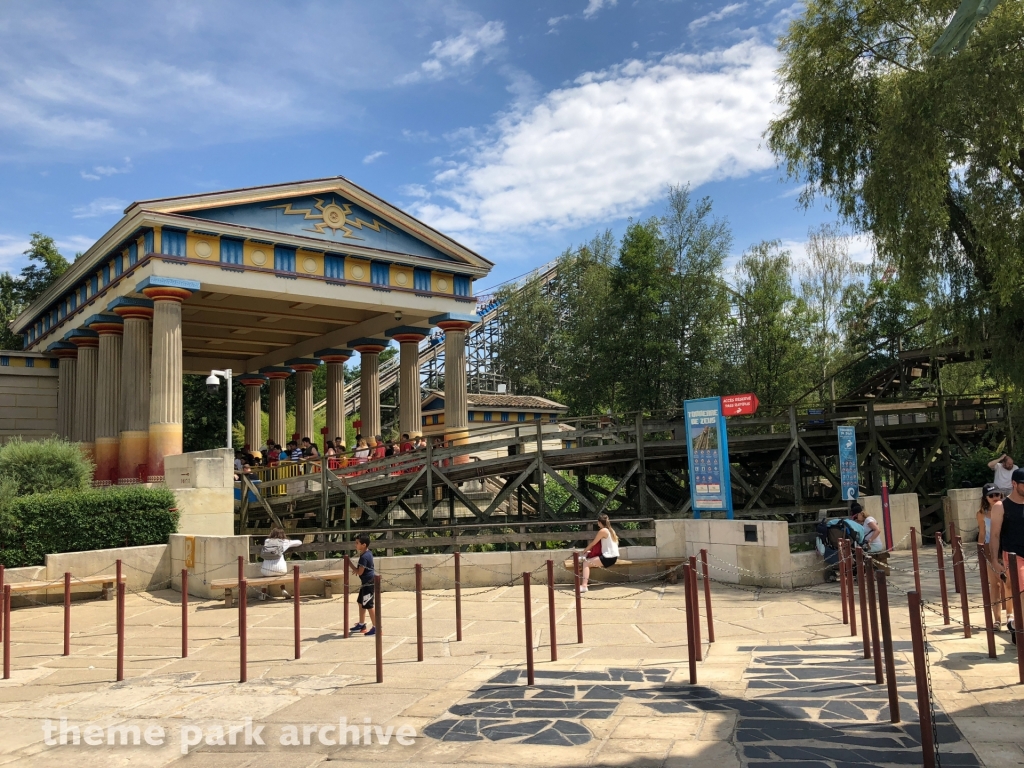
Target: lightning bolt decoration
333,216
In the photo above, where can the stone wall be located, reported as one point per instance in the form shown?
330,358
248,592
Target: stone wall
905,513
28,396
203,484
960,506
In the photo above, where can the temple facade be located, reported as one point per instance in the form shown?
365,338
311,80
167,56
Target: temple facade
269,282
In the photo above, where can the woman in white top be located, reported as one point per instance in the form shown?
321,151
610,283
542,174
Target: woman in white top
362,452
274,549
873,541
990,494
603,550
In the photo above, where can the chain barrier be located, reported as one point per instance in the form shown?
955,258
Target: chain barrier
931,689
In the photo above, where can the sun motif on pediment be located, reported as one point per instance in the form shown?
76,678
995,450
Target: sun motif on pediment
328,213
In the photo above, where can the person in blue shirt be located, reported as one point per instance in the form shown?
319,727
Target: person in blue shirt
364,568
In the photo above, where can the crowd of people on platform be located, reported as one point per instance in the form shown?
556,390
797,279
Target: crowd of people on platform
338,456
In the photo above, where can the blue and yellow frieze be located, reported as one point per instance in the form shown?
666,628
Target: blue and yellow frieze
329,217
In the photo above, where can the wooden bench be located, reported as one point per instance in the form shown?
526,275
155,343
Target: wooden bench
230,586
669,564
106,584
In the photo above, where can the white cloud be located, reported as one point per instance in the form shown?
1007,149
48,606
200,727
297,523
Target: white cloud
373,156
609,144
13,247
718,15
456,53
100,171
554,21
596,5
101,206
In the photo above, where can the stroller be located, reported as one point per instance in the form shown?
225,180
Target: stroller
830,533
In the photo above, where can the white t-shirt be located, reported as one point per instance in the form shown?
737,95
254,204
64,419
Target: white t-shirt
277,564
873,538
1003,477
609,547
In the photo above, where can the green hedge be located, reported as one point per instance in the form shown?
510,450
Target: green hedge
41,466
32,527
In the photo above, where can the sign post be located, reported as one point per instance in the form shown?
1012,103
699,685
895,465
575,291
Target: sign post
849,476
708,456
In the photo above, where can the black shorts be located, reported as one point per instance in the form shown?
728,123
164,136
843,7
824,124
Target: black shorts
365,596
607,562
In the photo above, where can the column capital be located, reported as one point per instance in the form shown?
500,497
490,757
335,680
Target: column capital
303,364
105,325
368,346
167,288
407,333
83,337
277,372
334,355
130,306
63,349
452,321
253,379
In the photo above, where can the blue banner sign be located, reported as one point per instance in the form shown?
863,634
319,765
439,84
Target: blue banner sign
849,477
708,454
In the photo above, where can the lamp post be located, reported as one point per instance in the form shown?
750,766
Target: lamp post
213,384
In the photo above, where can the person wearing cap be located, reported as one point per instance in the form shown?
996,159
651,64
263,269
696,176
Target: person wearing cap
1003,469
991,495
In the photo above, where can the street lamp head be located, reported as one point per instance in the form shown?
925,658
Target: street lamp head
398,316
212,383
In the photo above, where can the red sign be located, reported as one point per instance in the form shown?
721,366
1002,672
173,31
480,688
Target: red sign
739,405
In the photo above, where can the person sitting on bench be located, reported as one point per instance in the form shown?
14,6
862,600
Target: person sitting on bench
603,550
272,555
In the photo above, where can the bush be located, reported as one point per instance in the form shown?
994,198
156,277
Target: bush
972,471
45,465
74,521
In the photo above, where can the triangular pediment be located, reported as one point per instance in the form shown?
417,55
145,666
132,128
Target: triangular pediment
333,210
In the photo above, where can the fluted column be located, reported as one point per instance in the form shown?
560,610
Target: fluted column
133,447
456,409
253,409
277,375
335,361
67,355
304,367
369,386
108,395
84,430
165,407
409,338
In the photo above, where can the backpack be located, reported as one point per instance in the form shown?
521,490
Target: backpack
272,549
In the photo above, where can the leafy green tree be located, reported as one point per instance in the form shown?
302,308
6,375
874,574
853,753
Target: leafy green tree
772,326
48,265
10,308
640,343
698,299
578,345
926,153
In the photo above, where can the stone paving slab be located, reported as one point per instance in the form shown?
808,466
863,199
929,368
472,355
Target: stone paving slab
785,683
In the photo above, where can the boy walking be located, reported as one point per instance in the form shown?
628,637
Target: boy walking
364,568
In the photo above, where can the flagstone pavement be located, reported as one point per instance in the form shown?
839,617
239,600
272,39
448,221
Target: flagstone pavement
784,684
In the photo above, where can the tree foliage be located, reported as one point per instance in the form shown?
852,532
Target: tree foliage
45,266
925,153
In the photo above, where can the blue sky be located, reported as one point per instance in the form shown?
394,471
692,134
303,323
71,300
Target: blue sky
518,128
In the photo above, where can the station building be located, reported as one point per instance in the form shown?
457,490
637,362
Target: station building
269,282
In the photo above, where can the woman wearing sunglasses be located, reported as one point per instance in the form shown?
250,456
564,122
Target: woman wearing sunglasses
990,494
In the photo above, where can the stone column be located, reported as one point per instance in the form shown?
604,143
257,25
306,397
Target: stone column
369,386
133,449
253,410
277,375
456,409
67,355
84,430
108,395
335,361
165,408
409,338
304,367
